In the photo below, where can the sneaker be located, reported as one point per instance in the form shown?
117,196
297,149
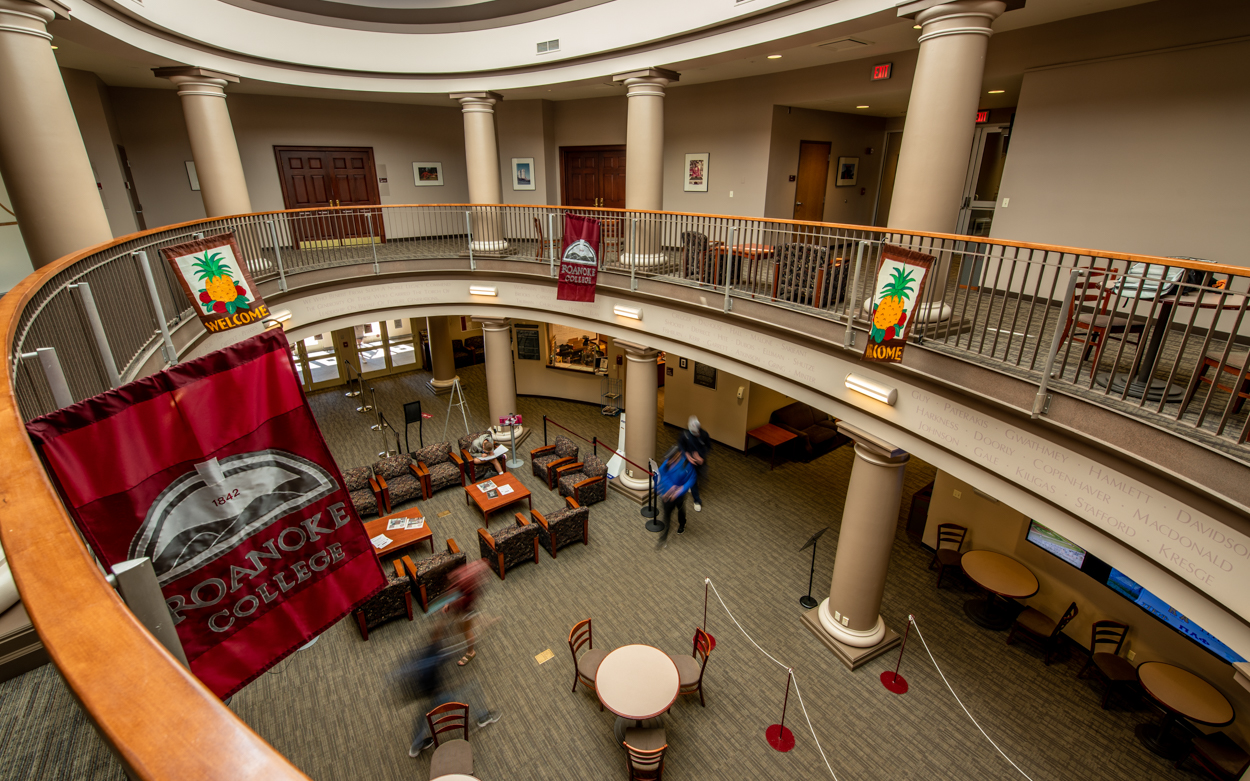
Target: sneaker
414,750
681,529
490,718
698,507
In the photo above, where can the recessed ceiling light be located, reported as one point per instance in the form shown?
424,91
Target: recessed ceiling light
997,91
56,47
863,107
774,56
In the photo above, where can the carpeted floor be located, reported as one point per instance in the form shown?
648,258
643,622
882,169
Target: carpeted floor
336,712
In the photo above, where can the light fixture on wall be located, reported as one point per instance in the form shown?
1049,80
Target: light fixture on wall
997,91
634,313
872,389
483,290
984,496
276,319
863,107
774,56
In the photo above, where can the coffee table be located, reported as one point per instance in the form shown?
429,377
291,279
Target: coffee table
774,436
1182,694
474,495
401,539
1004,578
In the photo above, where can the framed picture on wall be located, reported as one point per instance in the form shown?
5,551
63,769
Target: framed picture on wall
696,173
681,362
705,375
848,171
428,174
522,173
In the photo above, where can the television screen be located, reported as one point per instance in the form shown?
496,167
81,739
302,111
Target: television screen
1126,587
1055,544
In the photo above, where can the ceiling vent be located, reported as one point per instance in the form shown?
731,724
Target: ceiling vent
845,44
546,47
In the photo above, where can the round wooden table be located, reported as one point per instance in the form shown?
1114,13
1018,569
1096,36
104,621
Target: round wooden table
637,682
1004,578
1181,694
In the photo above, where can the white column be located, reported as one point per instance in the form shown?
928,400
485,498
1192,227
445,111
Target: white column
42,157
441,355
500,376
644,160
641,408
213,146
941,122
481,152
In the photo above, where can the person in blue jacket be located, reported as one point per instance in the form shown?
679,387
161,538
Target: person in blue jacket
674,479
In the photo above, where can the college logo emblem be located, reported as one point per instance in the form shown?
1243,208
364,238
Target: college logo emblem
210,510
581,252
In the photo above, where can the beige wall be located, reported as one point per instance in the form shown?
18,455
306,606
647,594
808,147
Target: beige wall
761,403
721,413
523,129
14,260
155,137
997,527
98,126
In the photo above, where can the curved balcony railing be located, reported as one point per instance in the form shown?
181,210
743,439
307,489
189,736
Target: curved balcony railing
1027,310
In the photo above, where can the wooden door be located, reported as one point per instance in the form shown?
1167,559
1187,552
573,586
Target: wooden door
354,183
813,178
314,177
130,189
592,176
612,178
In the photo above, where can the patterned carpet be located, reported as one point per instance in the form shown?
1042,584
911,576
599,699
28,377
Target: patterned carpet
336,712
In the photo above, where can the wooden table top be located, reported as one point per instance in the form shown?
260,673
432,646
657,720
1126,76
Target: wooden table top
771,435
401,539
998,573
1185,693
487,505
637,682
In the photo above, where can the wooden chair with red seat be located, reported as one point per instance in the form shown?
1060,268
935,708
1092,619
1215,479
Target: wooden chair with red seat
541,251
644,753
950,539
690,669
1090,313
452,755
1106,640
585,666
1219,756
1237,365
1034,624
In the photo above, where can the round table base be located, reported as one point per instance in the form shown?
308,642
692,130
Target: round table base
1157,739
779,737
1156,390
990,613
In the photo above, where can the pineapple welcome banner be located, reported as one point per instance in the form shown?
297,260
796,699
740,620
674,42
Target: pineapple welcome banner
215,278
900,282
216,471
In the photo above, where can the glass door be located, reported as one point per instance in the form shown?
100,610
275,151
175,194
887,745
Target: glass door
976,215
399,345
321,362
371,350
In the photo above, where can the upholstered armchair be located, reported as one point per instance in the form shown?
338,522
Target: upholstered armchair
393,601
398,479
799,269
586,482
474,471
438,468
694,255
547,459
509,547
564,526
365,491
476,346
429,576
461,356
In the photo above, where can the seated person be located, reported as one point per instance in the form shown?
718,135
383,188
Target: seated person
482,450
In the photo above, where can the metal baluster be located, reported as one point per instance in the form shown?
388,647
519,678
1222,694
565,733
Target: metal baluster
171,354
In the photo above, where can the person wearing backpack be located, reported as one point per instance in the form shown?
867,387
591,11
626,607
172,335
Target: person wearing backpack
674,479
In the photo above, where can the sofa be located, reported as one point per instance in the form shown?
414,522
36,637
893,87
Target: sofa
817,432
473,471
393,601
364,489
586,482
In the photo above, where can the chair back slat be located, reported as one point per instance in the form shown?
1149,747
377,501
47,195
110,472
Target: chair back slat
1067,618
580,635
645,765
1107,633
951,535
448,717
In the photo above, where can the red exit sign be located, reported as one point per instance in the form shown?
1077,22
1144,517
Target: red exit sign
882,72
983,115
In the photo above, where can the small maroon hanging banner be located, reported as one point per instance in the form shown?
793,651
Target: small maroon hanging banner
216,471
901,277
215,278
579,263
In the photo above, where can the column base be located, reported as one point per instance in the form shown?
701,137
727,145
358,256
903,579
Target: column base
630,259
502,436
638,495
860,638
442,387
499,245
851,656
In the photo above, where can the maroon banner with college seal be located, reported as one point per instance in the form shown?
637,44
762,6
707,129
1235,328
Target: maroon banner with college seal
901,277
216,471
579,262
215,278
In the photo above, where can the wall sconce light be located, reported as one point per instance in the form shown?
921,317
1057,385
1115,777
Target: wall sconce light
871,389
634,313
276,319
483,290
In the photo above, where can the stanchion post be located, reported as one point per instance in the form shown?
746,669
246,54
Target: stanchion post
892,680
778,736
649,509
377,413
544,430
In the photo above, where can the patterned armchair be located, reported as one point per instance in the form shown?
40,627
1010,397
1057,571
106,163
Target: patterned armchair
564,526
694,256
474,471
476,346
393,601
509,547
429,576
365,491
547,459
397,477
438,468
799,269
586,482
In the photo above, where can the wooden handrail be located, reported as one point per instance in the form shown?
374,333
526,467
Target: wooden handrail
159,718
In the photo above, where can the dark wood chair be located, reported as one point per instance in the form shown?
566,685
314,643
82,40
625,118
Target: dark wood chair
1219,756
950,538
690,669
1048,633
452,755
509,547
1235,366
1106,640
429,577
644,753
565,526
585,666
1091,319
540,252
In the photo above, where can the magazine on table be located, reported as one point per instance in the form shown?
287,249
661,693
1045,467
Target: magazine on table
487,485
381,541
396,523
415,523
505,490
492,494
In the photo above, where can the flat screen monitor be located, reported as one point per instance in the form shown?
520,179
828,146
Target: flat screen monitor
1126,587
1055,544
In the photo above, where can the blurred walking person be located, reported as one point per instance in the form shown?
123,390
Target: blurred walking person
674,479
696,443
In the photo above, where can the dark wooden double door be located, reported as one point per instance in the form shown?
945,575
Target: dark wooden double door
593,176
331,177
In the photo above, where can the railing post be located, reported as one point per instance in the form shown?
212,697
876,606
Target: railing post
551,242
55,376
1042,401
135,581
171,354
97,330
277,251
729,266
468,224
848,337
373,244
633,252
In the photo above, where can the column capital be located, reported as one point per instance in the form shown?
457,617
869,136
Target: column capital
957,17
477,102
25,17
874,449
493,323
192,80
649,82
637,352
